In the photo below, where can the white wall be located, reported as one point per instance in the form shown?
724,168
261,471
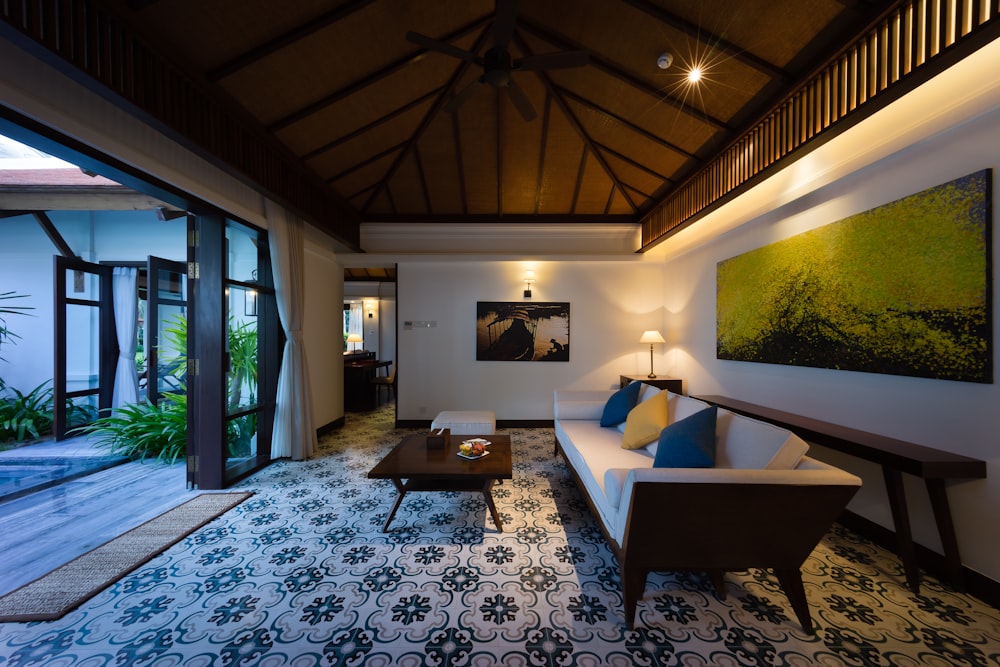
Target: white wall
611,303
953,416
26,267
322,325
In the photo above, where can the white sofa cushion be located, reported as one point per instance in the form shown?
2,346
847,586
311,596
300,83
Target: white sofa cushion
678,407
742,442
592,450
580,404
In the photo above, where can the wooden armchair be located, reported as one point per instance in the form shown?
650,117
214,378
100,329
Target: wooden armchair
387,381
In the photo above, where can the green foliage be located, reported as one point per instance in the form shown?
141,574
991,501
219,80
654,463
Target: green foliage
242,361
174,348
6,335
898,289
145,430
25,416
142,430
239,434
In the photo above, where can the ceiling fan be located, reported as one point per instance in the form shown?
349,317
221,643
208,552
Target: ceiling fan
496,62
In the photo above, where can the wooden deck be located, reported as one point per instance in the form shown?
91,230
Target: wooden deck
45,529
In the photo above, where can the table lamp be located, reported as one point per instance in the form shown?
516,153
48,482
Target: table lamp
355,338
651,337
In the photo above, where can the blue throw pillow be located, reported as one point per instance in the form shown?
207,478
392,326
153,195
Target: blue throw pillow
689,442
620,404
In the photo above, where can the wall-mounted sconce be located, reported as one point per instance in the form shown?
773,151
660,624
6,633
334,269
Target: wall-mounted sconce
529,280
370,308
250,303
250,297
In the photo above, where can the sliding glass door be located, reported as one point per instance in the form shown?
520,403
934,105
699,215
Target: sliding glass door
233,344
166,328
251,329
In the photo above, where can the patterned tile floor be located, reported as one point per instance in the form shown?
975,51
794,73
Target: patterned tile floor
301,574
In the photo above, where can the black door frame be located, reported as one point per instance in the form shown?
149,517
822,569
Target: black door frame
107,341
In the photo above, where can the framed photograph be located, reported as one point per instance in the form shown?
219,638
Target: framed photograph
902,289
518,331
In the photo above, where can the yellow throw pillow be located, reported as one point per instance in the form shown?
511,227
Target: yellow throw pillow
645,421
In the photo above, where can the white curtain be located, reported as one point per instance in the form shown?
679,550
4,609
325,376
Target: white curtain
123,283
354,325
293,433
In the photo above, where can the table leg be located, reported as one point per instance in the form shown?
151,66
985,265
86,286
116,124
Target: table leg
401,488
491,505
946,531
901,522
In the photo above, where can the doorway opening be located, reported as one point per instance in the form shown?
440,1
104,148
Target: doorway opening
72,235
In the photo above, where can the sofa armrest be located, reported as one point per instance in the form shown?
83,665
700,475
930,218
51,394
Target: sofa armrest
671,486
585,404
796,476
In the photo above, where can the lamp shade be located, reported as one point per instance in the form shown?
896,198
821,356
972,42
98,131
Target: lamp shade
651,337
355,338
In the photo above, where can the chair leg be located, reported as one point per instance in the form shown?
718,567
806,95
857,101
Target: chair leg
791,582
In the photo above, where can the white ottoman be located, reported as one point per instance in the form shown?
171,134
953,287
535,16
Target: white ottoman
467,422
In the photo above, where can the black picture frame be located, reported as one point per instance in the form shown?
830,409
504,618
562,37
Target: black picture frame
522,331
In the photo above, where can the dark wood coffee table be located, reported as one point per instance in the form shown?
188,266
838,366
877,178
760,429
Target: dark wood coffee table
426,469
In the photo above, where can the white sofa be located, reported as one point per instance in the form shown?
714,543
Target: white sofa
764,503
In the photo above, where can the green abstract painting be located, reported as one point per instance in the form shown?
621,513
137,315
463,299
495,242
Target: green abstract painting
903,289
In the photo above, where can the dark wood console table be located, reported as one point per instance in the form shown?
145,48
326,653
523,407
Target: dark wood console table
660,382
359,392
895,457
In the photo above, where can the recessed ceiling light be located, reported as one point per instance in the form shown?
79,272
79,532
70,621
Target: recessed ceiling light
694,76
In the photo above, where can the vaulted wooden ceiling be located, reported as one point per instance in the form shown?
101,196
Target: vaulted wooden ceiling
342,89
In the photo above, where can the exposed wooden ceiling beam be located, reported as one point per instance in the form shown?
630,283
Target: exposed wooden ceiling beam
575,122
614,70
625,123
702,35
285,39
624,158
367,161
360,85
425,123
50,230
509,218
372,125
66,198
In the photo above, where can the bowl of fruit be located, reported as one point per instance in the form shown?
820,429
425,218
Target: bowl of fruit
472,449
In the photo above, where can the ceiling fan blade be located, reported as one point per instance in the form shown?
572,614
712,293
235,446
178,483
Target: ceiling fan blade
442,47
520,101
464,94
503,23
560,60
